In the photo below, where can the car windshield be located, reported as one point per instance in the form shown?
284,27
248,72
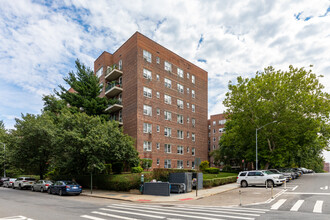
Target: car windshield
267,172
70,183
49,182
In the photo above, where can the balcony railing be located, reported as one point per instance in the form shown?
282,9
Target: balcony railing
115,106
113,89
113,73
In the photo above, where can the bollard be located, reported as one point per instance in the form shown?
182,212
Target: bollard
240,197
272,191
285,184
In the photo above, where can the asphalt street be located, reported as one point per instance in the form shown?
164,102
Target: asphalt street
305,198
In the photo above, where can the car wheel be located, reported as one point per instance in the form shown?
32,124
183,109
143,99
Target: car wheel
32,188
19,187
41,189
244,184
49,192
60,193
270,183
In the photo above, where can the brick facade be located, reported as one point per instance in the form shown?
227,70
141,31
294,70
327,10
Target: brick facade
129,90
216,126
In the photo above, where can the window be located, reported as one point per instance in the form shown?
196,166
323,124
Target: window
147,56
168,148
214,139
147,74
157,77
214,123
158,95
242,174
167,66
187,163
179,102
193,93
157,161
168,115
180,119
193,122
147,128
147,92
187,149
187,134
167,132
213,147
168,99
193,107
193,151
193,165
147,110
188,105
157,60
99,72
180,149
158,146
188,120
213,131
180,88
180,134
167,164
179,164
221,130
188,75
168,83
120,65
188,91
222,122
158,111
193,79
193,136
158,128
180,72
147,146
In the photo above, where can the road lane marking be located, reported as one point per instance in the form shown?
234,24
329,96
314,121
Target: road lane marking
297,205
307,193
278,204
114,216
318,206
132,213
326,187
91,217
294,188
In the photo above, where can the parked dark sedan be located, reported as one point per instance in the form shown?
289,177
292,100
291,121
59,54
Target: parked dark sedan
64,187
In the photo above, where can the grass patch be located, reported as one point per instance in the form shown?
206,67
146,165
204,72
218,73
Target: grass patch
207,176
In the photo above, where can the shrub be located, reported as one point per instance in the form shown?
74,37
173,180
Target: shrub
212,170
204,164
136,169
117,167
218,181
146,163
227,168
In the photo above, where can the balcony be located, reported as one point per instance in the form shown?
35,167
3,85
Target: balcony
116,106
113,89
113,73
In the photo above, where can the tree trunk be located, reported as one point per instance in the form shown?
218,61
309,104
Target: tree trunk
266,166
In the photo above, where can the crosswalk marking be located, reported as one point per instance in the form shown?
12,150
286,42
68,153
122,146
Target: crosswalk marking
246,210
132,213
318,206
114,216
192,211
278,204
91,217
297,205
225,211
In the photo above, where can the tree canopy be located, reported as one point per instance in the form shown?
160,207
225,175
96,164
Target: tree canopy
295,100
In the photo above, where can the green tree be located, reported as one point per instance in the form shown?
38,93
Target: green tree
83,95
33,142
294,99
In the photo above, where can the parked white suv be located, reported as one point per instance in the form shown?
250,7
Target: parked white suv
259,177
24,182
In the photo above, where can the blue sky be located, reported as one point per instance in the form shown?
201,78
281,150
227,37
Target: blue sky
39,40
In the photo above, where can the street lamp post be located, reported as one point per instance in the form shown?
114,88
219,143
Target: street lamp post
257,141
4,159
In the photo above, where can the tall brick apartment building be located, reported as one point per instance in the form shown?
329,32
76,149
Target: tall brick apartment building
159,98
216,125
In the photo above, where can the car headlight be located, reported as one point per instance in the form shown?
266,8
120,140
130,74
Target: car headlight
275,177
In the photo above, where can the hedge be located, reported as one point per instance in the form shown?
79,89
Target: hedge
212,170
218,181
162,174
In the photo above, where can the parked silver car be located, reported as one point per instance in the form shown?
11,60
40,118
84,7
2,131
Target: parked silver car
41,185
24,182
9,183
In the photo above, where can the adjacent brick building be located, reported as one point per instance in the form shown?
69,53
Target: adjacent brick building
216,125
159,98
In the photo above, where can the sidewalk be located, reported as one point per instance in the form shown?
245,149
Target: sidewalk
137,197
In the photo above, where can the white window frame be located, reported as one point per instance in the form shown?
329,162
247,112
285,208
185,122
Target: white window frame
157,60
167,99
187,149
147,128
187,163
168,148
157,95
99,72
167,163
147,110
180,119
193,122
180,88
147,56
158,111
168,83
192,165
193,108
120,65
193,93
158,146
180,134
193,151
157,77
188,75
168,132
180,150
147,146
157,161
193,138
147,74
158,128
147,92
168,115
193,80
180,72
188,91
179,103
179,164
168,66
